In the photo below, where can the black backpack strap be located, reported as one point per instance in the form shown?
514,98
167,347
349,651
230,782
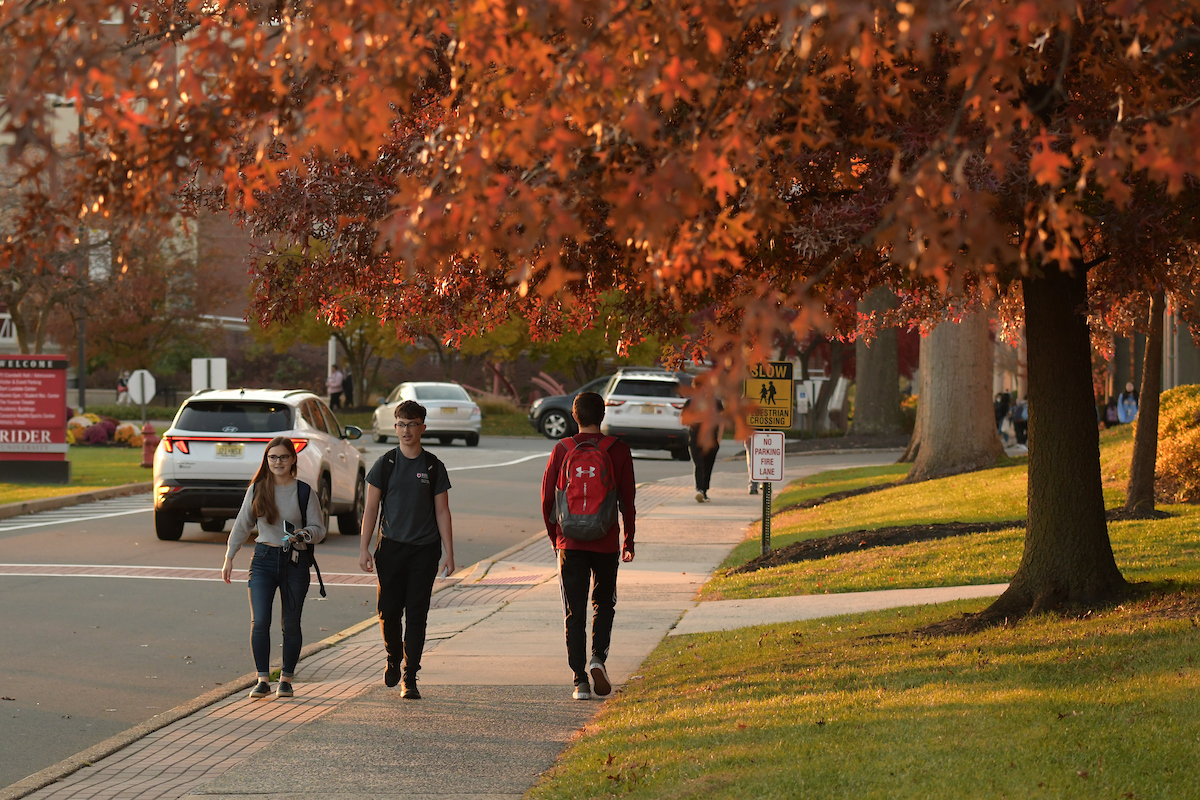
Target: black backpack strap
429,462
303,494
389,466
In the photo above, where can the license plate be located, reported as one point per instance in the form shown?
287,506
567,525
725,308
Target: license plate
649,409
449,412
229,449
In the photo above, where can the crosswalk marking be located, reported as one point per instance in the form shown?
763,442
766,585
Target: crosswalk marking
101,509
160,573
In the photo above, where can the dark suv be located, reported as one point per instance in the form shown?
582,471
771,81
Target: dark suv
551,416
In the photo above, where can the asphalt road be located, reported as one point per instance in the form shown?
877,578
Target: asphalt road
83,658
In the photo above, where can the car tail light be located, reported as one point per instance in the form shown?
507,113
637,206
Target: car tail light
170,443
614,402
299,444
476,412
679,405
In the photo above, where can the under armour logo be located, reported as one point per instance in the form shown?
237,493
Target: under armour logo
591,472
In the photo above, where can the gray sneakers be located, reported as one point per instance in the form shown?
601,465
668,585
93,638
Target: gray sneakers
582,692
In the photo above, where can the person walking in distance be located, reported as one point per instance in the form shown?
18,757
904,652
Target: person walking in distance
289,521
334,384
411,488
589,476
704,455
123,398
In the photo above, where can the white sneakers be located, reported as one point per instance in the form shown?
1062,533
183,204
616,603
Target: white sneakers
600,678
582,692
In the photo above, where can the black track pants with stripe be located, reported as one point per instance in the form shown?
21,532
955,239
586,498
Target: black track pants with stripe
579,571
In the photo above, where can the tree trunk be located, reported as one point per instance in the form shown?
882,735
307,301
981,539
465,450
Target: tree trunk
955,420
1139,494
1068,557
877,373
837,352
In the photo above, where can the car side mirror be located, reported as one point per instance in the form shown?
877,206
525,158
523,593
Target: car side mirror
353,432
382,401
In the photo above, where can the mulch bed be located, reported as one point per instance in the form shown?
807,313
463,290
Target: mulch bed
813,549
848,442
832,496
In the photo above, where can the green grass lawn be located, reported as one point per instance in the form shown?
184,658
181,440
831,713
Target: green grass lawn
91,468
990,495
1104,705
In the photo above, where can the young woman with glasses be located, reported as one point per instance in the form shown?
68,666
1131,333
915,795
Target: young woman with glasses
281,560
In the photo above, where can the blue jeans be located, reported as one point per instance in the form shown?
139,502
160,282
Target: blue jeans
272,570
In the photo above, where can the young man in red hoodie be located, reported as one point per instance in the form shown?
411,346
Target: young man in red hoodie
584,565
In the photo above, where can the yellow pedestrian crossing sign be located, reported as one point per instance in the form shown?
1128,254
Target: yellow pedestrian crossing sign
770,387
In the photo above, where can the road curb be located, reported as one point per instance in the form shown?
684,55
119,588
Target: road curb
62,501
68,766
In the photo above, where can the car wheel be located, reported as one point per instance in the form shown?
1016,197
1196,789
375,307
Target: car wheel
446,440
472,440
168,525
212,524
554,424
376,435
681,454
324,493
350,522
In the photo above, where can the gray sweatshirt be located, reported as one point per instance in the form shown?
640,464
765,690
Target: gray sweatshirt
287,500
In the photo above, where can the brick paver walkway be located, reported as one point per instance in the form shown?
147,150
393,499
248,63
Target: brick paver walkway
173,761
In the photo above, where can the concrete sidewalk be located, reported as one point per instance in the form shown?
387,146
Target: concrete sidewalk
497,707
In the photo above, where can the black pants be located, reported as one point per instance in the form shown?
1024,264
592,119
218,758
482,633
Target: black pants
406,574
578,571
703,461
1021,429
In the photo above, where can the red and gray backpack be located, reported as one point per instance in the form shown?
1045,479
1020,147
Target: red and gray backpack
585,495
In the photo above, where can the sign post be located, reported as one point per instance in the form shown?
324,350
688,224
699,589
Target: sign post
209,373
770,386
33,420
766,466
142,389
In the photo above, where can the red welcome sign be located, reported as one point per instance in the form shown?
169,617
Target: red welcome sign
33,408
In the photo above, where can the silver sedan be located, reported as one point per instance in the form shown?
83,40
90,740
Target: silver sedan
450,413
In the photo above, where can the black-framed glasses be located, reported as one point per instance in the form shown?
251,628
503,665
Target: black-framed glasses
408,426
279,459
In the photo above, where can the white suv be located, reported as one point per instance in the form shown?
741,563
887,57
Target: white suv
206,459
642,409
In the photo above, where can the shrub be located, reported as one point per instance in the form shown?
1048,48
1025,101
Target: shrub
1177,476
127,433
97,434
908,412
77,425
497,405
